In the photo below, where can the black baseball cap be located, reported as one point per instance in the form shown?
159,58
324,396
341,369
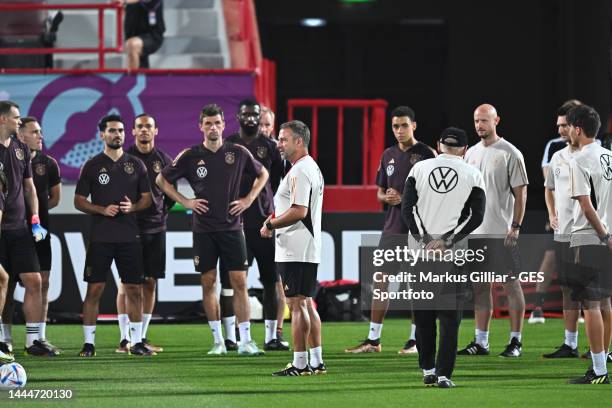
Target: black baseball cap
454,137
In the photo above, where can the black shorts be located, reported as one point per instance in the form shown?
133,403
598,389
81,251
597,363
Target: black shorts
151,43
18,252
43,250
258,248
154,255
299,278
227,246
127,257
497,258
564,260
592,275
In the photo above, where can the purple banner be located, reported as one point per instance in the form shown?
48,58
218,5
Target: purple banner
70,106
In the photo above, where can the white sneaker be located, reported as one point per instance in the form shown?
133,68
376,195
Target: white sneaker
218,349
249,349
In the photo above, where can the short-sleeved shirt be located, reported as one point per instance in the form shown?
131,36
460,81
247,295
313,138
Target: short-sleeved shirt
303,185
108,182
443,186
395,164
216,177
552,147
153,219
264,150
591,175
503,168
46,174
558,181
16,164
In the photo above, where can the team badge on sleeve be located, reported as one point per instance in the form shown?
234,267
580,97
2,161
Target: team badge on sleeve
196,260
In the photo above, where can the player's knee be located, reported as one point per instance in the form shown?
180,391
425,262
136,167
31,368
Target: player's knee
133,45
238,280
31,281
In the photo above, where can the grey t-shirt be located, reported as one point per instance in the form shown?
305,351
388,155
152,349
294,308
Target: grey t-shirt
503,168
558,181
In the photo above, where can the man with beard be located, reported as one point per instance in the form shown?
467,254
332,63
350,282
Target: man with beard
214,170
261,249
17,251
119,188
48,190
505,179
152,225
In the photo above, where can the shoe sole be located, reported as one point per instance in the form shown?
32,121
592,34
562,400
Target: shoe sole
537,320
361,351
122,351
411,350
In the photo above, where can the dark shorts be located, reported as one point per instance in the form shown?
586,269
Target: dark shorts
497,258
227,246
127,257
43,250
18,252
151,43
154,255
261,249
299,278
564,260
592,275
390,242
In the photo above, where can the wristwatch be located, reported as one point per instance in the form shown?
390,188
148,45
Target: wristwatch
604,239
515,225
270,226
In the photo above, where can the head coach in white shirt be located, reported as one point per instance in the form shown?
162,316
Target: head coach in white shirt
443,202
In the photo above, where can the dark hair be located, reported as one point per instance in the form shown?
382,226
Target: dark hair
5,107
401,111
248,103
586,118
144,115
567,106
106,119
299,129
26,120
211,109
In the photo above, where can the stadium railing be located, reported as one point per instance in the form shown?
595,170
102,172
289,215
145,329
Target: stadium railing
339,196
101,50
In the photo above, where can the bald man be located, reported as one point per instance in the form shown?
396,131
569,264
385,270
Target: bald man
505,179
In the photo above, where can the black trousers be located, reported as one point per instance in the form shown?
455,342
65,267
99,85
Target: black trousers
426,333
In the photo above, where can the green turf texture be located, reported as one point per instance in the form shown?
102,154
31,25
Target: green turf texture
184,376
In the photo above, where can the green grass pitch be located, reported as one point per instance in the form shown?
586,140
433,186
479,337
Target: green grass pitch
184,376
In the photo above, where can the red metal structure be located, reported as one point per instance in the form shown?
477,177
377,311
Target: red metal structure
101,50
242,30
338,196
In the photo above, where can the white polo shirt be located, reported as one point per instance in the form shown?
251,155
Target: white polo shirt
303,185
591,171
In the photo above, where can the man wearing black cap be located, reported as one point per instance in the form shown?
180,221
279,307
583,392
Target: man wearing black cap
441,195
